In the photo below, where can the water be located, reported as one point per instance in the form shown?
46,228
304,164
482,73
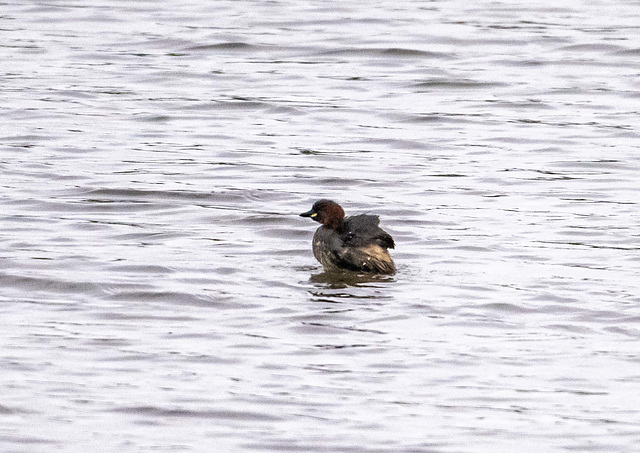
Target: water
158,290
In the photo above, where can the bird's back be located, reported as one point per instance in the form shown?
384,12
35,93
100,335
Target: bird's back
363,230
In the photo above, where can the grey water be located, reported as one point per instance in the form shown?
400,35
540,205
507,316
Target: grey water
157,287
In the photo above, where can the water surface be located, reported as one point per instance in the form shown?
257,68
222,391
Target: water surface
158,289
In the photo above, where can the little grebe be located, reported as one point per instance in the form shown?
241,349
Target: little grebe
355,243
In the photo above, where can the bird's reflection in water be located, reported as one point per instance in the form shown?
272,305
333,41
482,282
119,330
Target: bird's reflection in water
338,279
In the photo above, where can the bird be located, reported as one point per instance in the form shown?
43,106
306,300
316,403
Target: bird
355,243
